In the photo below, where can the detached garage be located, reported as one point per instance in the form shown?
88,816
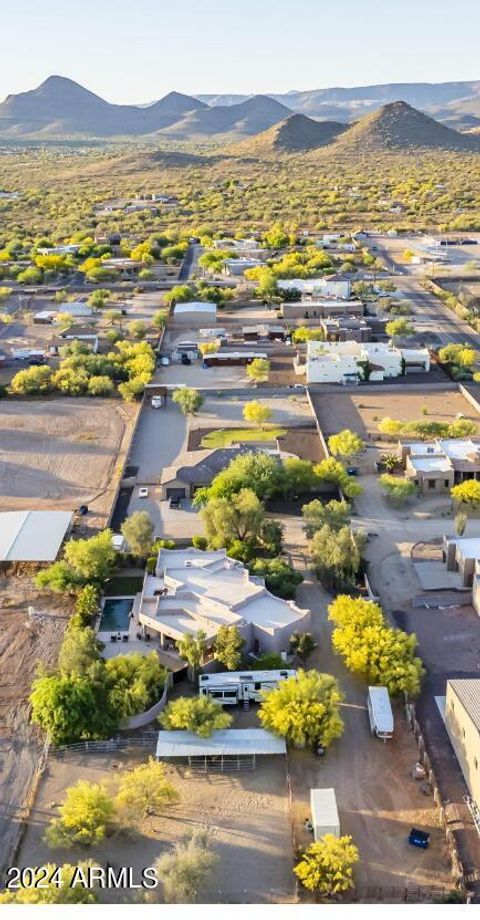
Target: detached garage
229,750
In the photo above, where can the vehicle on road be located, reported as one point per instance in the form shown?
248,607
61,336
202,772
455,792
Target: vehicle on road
143,492
380,712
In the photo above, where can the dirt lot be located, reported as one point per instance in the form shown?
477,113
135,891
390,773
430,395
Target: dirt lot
62,453
24,643
246,816
362,410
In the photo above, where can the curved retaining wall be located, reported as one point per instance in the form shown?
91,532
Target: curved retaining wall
143,718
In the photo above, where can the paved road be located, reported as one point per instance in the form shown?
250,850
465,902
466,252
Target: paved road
190,262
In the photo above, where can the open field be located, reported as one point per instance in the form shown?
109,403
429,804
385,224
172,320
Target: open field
245,815
24,643
362,410
63,453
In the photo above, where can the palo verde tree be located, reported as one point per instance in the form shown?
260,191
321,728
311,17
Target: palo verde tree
345,444
258,370
198,714
188,400
325,867
184,871
85,816
145,790
305,710
257,413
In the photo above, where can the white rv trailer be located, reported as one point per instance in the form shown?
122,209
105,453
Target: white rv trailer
380,712
324,812
232,687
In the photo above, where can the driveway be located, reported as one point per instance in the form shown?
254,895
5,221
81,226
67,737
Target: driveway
159,439
377,798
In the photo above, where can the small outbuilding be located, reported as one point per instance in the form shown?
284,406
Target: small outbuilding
323,807
195,312
227,750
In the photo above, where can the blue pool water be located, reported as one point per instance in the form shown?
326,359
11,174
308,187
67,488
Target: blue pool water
116,615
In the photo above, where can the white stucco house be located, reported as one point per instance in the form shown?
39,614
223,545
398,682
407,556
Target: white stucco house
333,286
345,362
194,590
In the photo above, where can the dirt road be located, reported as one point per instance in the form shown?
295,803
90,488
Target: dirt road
377,798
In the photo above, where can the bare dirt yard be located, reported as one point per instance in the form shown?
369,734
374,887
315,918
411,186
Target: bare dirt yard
245,815
24,642
61,453
362,410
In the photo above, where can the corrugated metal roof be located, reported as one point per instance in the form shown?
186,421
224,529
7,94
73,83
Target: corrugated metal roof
229,741
32,536
468,692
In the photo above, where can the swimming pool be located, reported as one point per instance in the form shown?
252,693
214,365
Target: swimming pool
116,614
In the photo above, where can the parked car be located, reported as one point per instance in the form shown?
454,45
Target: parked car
352,470
83,510
185,359
143,492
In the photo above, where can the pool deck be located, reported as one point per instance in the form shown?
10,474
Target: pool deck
112,649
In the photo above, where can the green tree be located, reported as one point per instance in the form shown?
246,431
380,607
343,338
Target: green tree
257,471
304,709
160,319
467,493
91,559
100,385
334,513
280,578
257,413
241,517
192,650
86,605
302,644
137,329
228,647
85,816
79,650
331,470
399,328
326,866
188,400
299,477
32,380
58,577
135,682
345,444
56,887
258,370
198,714
336,556
397,489
144,790
185,870
138,531
70,708
461,355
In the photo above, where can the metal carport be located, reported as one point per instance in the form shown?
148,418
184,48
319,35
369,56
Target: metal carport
231,749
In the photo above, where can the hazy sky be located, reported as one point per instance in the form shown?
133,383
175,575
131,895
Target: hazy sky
137,52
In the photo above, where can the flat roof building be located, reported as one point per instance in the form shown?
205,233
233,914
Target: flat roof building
436,467
196,590
346,362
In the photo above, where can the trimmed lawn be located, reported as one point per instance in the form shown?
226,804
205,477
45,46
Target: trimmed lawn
224,437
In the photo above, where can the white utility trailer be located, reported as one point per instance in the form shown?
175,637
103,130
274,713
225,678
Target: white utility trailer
380,712
324,812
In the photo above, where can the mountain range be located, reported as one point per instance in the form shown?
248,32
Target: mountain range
59,107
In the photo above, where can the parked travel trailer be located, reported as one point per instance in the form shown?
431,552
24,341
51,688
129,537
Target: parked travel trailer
324,812
232,687
380,712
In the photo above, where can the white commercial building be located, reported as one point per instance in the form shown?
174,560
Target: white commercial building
354,362
32,536
194,590
332,286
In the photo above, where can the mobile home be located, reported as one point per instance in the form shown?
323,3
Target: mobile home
232,687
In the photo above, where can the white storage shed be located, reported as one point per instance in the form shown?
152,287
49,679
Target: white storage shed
323,807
